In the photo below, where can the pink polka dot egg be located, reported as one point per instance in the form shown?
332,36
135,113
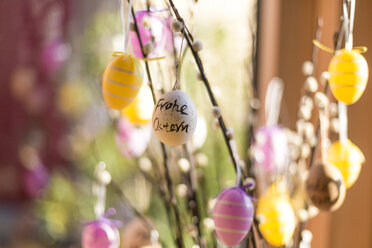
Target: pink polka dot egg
233,215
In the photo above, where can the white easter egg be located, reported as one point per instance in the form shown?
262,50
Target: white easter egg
174,118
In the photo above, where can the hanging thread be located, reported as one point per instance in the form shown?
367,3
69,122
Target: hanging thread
126,6
178,67
273,101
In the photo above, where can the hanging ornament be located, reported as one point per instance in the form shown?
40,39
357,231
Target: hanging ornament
348,71
102,232
140,232
233,215
270,149
276,216
270,146
35,179
139,112
325,187
122,80
348,158
131,141
54,55
324,184
174,118
152,29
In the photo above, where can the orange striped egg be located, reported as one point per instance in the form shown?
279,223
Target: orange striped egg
232,215
122,81
348,158
348,72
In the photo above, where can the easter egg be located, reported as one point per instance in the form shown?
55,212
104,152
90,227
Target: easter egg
174,118
232,215
276,217
348,72
131,141
54,55
35,179
348,158
151,28
325,187
122,80
139,112
100,234
270,149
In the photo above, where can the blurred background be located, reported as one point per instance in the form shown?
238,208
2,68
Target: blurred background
55,127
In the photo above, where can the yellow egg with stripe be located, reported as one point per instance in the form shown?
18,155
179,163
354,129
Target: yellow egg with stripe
348,75
122,81
348,158
139,112
276,217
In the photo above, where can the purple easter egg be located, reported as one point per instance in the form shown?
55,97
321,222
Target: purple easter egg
151,29
100,234
35,180
233,215
271,151
132,141
54,55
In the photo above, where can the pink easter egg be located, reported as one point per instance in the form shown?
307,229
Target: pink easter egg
100,234
271,151
54,55
132,141
233,215
35,180
151,29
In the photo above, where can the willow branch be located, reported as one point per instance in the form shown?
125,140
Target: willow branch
172,199
189,39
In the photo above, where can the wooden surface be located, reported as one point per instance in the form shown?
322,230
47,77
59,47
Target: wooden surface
287,30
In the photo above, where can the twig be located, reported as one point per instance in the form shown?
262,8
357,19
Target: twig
172,199
186,33
314,150
191,180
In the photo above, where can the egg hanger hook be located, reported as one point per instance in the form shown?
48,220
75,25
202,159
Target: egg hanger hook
273,101
348,26
102,178
126,6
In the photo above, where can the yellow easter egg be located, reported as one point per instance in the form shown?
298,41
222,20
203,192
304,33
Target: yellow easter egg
122,81
348,71
277,218
348,158
139,112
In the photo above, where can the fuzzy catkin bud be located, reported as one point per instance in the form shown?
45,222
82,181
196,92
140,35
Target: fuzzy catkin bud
176,26
311,84
199,76
216,111
181,190
321,100
148,48
132,27
230,133
333,109
145,164
184,165
335,125
308,68
324,78
197,45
